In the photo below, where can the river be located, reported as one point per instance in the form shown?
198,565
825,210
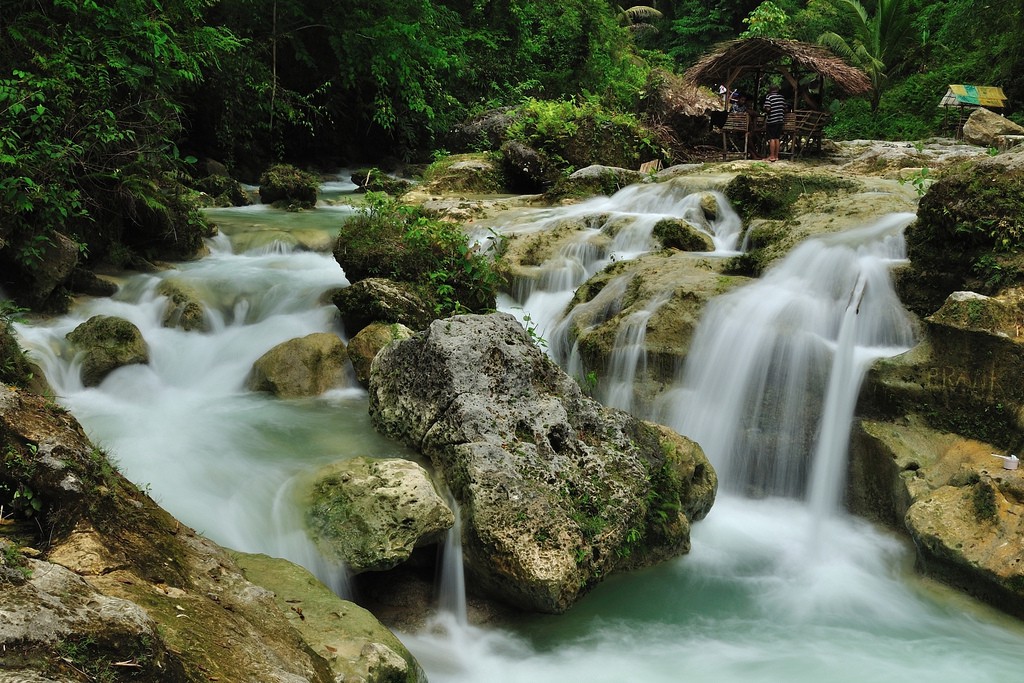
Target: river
781,587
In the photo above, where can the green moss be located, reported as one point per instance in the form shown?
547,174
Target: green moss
289,185
969,233
983,497
768,195
678,234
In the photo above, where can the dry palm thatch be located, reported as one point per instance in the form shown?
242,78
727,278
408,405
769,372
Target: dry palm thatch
730,59
668,95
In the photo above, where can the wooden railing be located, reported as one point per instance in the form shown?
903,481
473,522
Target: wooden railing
743,133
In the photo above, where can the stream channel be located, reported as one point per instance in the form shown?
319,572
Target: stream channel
781,587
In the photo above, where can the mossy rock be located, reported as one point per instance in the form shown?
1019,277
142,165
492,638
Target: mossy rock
772,195
376,180
378,300
287,186
107,343
674,233
591,181
468,173
222,191
969,234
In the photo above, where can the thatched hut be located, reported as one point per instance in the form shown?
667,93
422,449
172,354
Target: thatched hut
804,69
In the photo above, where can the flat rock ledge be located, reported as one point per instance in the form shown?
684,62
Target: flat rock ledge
555,490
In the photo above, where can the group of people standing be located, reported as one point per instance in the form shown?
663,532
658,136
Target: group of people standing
775,108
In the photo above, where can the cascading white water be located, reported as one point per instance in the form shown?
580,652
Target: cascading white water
629,357
749,604
754,384
628,217
219,457
452,596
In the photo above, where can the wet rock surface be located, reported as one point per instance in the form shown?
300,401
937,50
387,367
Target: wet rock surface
307,366
107,343
371,514
556,491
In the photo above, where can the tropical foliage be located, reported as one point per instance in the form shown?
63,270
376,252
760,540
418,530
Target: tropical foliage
880,43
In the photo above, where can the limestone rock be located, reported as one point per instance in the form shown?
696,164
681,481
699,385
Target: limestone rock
528,169
675,233
963,377
107,343
465,173
356,646
556,491
221,190
376,180
962,509
86,282
154,594
363,347
968,234
490,125
976,312
371,514
594,180
184,307
984,127
34,270
383,301
54,607
306,366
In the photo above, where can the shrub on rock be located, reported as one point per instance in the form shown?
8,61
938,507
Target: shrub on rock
286,186
388,240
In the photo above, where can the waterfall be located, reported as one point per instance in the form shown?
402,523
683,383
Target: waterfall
629,356
774,368
617,228
744,606
452,595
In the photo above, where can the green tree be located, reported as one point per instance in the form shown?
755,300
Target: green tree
768,20
879,43
90,114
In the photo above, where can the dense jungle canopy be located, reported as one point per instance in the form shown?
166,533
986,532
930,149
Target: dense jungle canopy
105,104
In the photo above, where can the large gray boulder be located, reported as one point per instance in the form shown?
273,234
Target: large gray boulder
107,343
984,127
306,366
556,491
371,514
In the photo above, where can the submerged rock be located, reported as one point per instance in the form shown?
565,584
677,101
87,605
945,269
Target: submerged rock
107,343
556,491
371,514
307,366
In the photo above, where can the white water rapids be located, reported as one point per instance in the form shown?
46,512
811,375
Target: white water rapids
775,589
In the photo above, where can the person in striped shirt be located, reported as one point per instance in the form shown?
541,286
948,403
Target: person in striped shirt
775,115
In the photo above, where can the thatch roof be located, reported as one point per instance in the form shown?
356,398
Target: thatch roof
751,54
669,95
